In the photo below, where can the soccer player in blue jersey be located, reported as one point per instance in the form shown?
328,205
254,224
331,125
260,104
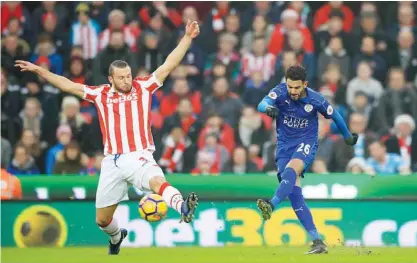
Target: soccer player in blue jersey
295,108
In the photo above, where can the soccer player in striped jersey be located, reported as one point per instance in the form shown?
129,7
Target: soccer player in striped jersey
124,113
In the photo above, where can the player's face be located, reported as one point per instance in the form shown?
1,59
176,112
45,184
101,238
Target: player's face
296,88
122,79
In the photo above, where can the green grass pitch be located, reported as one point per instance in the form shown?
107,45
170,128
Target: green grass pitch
207,255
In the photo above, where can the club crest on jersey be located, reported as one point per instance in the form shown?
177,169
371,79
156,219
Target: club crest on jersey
329,110
272,95
123,98
308,107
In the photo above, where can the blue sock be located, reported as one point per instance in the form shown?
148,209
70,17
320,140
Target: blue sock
303,212
285,187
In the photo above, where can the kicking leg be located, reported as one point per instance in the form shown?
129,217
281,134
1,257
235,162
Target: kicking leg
304,215
174,199
288,180
108,224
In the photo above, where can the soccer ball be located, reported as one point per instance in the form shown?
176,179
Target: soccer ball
152,208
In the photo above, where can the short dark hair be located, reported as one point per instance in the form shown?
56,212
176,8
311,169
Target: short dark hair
117,64
296,72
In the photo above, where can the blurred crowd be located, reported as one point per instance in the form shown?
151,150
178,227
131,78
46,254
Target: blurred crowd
204,119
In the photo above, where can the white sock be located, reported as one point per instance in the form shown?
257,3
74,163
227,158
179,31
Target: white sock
173,198
113,231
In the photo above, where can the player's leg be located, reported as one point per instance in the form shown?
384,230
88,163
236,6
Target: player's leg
147,175
111,190
173,198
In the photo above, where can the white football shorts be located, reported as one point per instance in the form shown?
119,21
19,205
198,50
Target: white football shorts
119,172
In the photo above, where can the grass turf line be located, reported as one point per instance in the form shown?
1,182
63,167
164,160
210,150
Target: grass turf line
207,255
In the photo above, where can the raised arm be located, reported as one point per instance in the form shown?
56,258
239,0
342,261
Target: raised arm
60,82
174,59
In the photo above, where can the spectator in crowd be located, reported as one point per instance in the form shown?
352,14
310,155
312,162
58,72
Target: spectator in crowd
215,124
191,127
334,82
6,152
304,57
254,152
33,145
10,107
60,11
254,89
369,26
14,27
336,54
284,61
239,163
10,9
342,154
59,38
204,165
219,70
32,117
364,82
405,54
227,55
289,22
382,163
94,167
64,135
117,20
180,90
11,188
149,55
85,32
45,48
259,60
172,160
358,165
405,20
219,153
70,160
396,100
404,140
70,115
251,129
304,12
334,29
22,163
115,50
12,50
269,10
170,17
214,25
321,18
260,29
99,11
224,102
361,105
324,152
368,53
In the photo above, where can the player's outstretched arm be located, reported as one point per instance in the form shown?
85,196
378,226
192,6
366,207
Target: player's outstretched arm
267,106
60,82
174,59
350,139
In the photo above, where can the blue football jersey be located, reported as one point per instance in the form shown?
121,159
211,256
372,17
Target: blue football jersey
298,120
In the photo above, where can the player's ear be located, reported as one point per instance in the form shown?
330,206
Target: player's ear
110,79
305,84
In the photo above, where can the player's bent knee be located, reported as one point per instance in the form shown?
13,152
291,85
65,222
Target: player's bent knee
297,165
156,182
103,221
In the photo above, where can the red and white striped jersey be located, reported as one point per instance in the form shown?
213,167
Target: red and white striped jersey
125,117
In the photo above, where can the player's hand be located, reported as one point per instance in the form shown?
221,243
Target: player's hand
192,29
272,112
25,66
352,140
